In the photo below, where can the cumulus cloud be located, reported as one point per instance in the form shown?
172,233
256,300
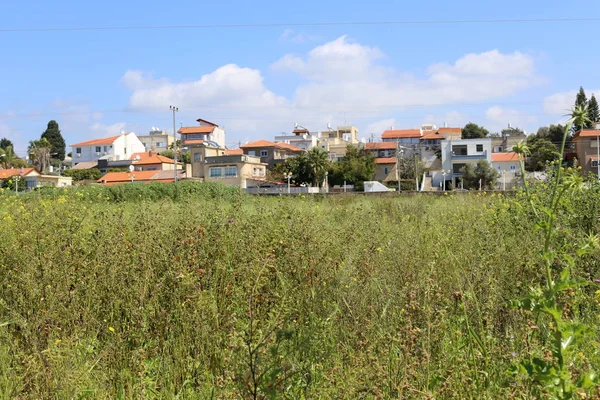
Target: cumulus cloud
498,118
560,103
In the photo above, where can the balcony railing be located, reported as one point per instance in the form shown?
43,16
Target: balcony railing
459,157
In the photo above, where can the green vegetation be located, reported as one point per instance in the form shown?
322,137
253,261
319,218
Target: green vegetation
83,174
199,291
54,137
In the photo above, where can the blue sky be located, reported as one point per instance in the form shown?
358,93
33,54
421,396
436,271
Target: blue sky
259,81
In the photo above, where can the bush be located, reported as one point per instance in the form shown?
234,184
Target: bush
83,174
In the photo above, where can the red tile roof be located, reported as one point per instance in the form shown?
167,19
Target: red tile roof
108,140
387,160
232,152
147,159
505,157
266,143
196,129
449,130
206,122
116,177
587,133
193,141
432,135
403,133
382,146
283,145
7,173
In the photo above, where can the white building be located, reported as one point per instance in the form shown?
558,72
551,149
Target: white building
206,131
301,138
157,140
458,153
114,148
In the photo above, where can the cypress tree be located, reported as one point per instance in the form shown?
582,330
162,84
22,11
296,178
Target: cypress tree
593,113
53,135
580,101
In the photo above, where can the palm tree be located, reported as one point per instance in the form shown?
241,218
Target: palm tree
39,152
8,158
318,161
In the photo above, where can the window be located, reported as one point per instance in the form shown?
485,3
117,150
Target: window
125,150
513,168
251,153
594,163
215,172
160,144
78,150
385,171
98,149
197,157
264,153
106,148
457,167
459,150
479,148
332,135
231,172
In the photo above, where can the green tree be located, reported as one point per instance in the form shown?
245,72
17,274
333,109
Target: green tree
580,102
541,151
593,112
553,133
4,143
318,162
356,167
57,142
513,132
83,174
184,157
482,172
8,158
39,153
474,131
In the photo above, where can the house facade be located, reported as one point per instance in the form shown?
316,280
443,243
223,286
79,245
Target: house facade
157,140
458,153
30,178
206,131
114,148
240,170
586,146
271,153
509,171
300,138
336,142
385,169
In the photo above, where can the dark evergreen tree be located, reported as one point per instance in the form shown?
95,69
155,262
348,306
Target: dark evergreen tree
593,113
53,135
580,101
5,143
474,131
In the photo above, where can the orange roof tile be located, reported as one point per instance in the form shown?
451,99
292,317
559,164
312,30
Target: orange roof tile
505,157
587,133
207,122
387,160
108,140
449,130
114,177
193,141
257,143
232,152
147,159
382,146
284,145
432,136
403,133
7,173
196,129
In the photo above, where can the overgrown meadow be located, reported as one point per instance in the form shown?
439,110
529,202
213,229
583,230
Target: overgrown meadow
199,292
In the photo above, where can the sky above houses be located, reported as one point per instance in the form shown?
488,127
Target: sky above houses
258,81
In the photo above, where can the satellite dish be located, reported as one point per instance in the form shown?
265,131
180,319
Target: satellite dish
305,136
131,168
122,131
329,125
296,125
153,129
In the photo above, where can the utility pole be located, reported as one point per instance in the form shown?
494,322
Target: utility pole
174,109
416,168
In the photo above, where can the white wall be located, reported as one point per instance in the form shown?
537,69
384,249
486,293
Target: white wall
218,136
121,149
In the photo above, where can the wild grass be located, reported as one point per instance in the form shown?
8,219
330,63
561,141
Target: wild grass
232,296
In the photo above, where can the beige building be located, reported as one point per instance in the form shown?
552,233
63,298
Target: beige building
271,153
335,142
509,170
586,146
239,170
157,140
385,169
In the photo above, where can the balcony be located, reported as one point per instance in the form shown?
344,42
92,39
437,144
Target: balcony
466,157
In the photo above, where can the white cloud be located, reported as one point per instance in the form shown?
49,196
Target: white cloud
291,36
498,118
98,130
560,103
379,126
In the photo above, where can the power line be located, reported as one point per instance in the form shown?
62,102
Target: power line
303,24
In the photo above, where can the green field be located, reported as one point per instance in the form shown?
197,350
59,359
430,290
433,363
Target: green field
215,294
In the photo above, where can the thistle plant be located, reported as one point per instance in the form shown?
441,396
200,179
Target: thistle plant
554,373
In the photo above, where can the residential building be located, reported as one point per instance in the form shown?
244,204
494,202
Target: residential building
145,161
300,138
113,178
503,144
114,148
335,142
586,146
382,149
240,170
385,169
206,131
458,153
507,165
30,178
271,153
157,140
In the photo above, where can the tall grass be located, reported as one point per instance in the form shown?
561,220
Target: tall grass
242,297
